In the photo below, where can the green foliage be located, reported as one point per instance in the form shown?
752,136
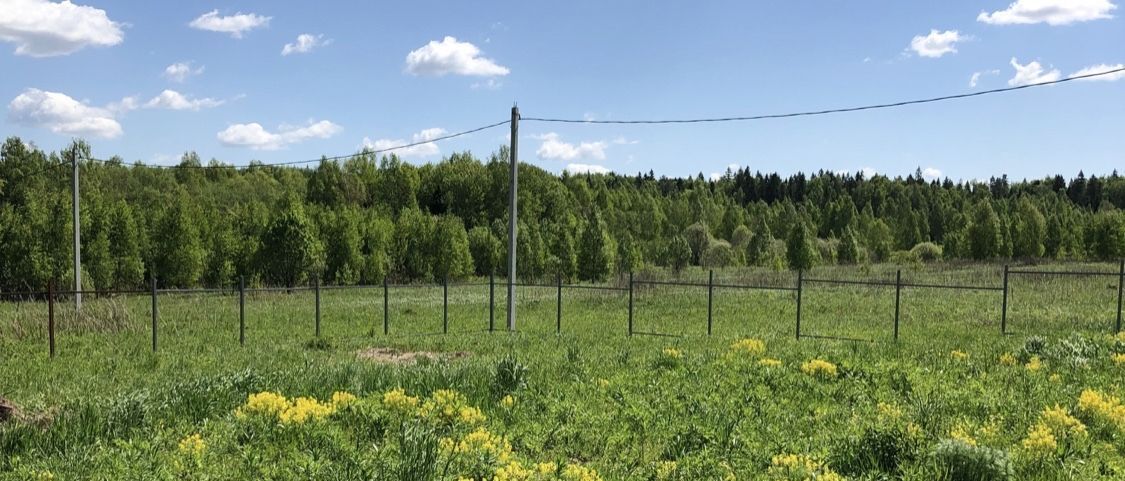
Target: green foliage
1105,238
677,254
177,248
959,461
757,250
984,232
595,254
452,259
849,250
1028,230
290,252
486,250
926,252
718,255
698,237
413,244
799,251
629,257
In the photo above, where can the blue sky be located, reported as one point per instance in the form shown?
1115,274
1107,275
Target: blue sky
151,80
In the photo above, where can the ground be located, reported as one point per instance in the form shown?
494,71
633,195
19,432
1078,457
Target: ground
953,398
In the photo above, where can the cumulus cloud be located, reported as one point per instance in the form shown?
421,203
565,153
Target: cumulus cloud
305,43
975,78
1032,73
936,43
930,173
719,175
180,71
41,28
256,137
1051,12
451,56
1099,69
173,100
235,24
586,169
553,148
62,115
419,144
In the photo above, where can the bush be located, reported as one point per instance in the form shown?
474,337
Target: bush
927,252
826,249
959,461
904,257
883,450
718,255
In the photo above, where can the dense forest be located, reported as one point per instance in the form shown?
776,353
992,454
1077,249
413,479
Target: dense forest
365,218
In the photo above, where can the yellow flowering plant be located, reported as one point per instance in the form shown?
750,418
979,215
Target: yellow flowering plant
820,369
749,346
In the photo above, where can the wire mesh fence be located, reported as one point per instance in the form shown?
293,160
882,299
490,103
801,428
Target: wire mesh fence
830,305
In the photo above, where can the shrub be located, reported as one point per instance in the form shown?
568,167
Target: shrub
718,255
904,258
877,449
927,252
959,461
510,377
826,249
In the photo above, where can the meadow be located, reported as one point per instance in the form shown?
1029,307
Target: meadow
952,399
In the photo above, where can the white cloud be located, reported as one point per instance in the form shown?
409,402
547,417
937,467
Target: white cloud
975,78
621,140
553,148
424,148
41,28
1093,69
1052,12
1032,73
254,136
305,43
235,24
62,114
936,43
450,56
586,169
719,175
173,100
180,71
930,173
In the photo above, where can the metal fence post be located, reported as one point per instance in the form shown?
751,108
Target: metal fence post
630,303
1120,289
491,301
800,281
1004,304
898,296
241,311
51,316
386,307
558,308
316,290
710,295
445,305
155,313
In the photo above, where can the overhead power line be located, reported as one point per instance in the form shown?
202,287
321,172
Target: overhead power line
827,111
333,158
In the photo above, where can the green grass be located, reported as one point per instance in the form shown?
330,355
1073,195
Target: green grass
109,408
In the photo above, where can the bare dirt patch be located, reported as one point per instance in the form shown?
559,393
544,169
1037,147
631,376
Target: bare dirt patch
387,355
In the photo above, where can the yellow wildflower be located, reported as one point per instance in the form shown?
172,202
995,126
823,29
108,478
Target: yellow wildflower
544,469
1034,365
481,443
959,355
1119,359
192,445
1007,359
752,347
578,472
1040,442
1055,378
1102,408
513,471
769,362
603,383
962,433
819,368
396,400
665,470
889,412
44,476
673,353
508,402
793,466
342,399
264,403
306,409
451,407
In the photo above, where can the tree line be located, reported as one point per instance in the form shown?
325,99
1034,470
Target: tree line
365,218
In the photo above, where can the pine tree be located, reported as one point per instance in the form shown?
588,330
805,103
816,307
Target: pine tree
595,258
798,248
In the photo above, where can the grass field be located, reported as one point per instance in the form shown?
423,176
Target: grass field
952,399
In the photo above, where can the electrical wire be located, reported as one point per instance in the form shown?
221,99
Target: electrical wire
824,112
333,158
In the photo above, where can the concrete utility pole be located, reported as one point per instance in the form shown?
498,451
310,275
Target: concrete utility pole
77,232
512,218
